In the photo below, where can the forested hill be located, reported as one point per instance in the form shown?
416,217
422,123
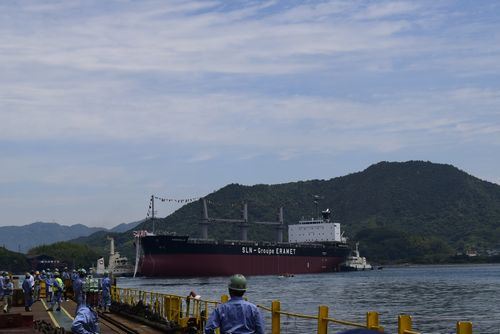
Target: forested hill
410,211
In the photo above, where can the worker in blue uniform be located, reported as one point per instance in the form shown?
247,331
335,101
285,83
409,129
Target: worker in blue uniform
79,294
66,278
106,292
49,282
237,316
1,287
2,282
28,292
8,291
85,321
36,289
57,288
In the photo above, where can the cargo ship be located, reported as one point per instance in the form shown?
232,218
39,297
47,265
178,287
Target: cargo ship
315,245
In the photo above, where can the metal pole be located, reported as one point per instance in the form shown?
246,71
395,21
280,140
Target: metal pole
153,211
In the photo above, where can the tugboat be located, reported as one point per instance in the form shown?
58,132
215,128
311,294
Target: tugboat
354,262
118,265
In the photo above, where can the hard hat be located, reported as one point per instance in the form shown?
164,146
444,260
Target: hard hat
83,271
37,273
56,274
237,282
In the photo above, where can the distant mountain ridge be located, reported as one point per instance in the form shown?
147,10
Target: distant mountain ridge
23,238
414,211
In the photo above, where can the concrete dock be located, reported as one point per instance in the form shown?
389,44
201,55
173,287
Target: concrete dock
39,320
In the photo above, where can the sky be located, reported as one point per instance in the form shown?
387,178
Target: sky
105,103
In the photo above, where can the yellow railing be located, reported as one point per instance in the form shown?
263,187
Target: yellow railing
184,309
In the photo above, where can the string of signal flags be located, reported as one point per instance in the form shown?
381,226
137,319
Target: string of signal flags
184,200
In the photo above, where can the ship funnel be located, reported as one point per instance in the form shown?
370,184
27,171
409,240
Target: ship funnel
111,246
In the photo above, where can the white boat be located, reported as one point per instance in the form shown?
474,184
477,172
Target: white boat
118,265
354,262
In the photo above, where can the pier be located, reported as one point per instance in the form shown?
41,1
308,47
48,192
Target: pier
39,320
139,311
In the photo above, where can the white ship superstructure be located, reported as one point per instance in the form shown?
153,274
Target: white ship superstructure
118,265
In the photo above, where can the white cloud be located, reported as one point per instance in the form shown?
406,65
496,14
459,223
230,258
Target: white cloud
252,120
380,10
209,80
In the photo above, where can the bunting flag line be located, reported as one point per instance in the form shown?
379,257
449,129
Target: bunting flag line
184,200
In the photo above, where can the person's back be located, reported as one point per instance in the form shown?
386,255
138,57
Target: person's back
26,286
237,316
8,287
85,321
1,286
79,294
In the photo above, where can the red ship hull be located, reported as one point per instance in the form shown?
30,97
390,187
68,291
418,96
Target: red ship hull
177,256
223,265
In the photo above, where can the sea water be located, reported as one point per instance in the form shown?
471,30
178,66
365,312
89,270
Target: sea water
435,296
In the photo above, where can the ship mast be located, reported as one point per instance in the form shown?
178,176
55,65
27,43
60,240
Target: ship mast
278,224
243,223
205,221
153,211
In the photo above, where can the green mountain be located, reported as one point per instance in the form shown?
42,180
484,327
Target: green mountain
412,211
12,261
75,255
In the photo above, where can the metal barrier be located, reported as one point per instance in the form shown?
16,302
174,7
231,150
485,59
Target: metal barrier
184,310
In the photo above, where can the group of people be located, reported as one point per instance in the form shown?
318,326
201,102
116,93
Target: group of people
237,316
55,288
86,294
87,291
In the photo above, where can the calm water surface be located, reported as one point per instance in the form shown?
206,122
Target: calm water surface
435,296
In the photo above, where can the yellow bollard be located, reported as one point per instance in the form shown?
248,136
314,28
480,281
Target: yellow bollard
404,323
372,321
275,317
322,322
43,292
171,306
464,327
